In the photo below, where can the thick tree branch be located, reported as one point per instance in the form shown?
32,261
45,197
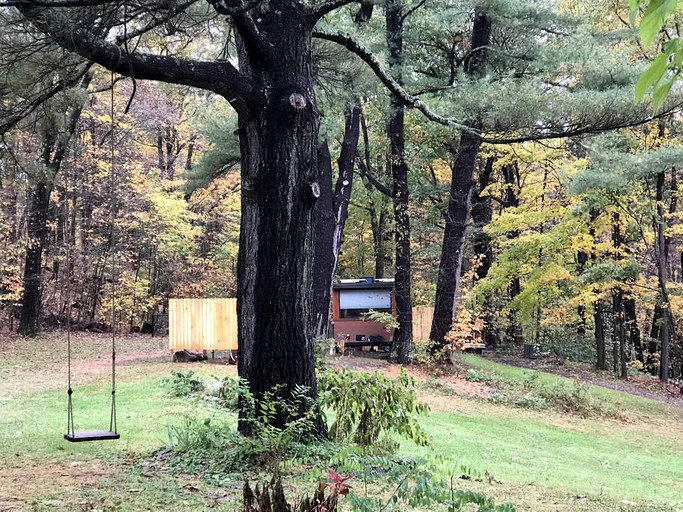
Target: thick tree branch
328,7
54,3
219,77
365,172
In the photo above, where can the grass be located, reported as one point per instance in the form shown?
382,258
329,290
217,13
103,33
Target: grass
603,462
545,460
517,376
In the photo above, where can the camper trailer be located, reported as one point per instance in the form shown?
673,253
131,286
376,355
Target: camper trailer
352,299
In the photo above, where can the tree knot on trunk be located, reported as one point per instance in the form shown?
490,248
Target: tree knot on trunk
297,101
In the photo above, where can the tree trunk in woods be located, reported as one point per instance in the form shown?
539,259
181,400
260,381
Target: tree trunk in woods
662,255
598,318
453,240
482,214
331,213
279,152
54,150
399,171
632,327
462,176
39,198
379,225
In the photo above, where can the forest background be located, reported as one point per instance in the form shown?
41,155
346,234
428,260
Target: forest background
551,212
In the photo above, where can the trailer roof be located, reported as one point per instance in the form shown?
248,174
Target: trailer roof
364,283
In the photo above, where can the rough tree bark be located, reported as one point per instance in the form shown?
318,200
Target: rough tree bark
462,176
403,336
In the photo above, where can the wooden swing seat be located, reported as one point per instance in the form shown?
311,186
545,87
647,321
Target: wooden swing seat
95,435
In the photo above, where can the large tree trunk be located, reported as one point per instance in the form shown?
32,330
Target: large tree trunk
331,213
462,176
279,152
453,239
39,196
399,172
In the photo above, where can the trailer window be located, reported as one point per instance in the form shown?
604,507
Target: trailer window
354,303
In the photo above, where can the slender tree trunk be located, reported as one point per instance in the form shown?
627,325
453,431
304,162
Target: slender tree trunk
379,224
598,318
633,329
662,246
399,171
53,153
331,214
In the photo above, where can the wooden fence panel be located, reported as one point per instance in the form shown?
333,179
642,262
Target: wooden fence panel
202,324
422,322
211,324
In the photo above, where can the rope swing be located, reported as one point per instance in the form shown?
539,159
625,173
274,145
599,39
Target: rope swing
96,435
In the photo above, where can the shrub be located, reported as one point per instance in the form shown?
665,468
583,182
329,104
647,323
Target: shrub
476,375
368,407
183,384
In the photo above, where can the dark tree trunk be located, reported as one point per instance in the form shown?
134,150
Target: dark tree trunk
399,173
379,224
482,213
453,239
598,318
279,152
331,214
462,174
39,197
662,254
54,150
633,329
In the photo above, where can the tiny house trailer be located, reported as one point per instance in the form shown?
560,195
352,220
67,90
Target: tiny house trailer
352,299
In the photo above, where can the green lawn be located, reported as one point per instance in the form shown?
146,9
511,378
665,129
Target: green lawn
544,460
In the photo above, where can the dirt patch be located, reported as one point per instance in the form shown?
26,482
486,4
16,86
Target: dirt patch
40,364
26,483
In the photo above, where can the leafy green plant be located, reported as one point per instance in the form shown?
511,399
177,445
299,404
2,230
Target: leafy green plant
414,484
383,317
367,407
477,375
183,384
422,353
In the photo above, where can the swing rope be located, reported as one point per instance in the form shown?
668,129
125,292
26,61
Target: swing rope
112,433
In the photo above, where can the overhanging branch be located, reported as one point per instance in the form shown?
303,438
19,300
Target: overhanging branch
541,133
219,77
404,96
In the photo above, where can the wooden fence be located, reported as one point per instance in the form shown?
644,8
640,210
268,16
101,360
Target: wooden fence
422,322
202,324
211,324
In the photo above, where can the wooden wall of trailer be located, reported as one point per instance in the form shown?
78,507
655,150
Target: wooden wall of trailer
211,324
202,324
